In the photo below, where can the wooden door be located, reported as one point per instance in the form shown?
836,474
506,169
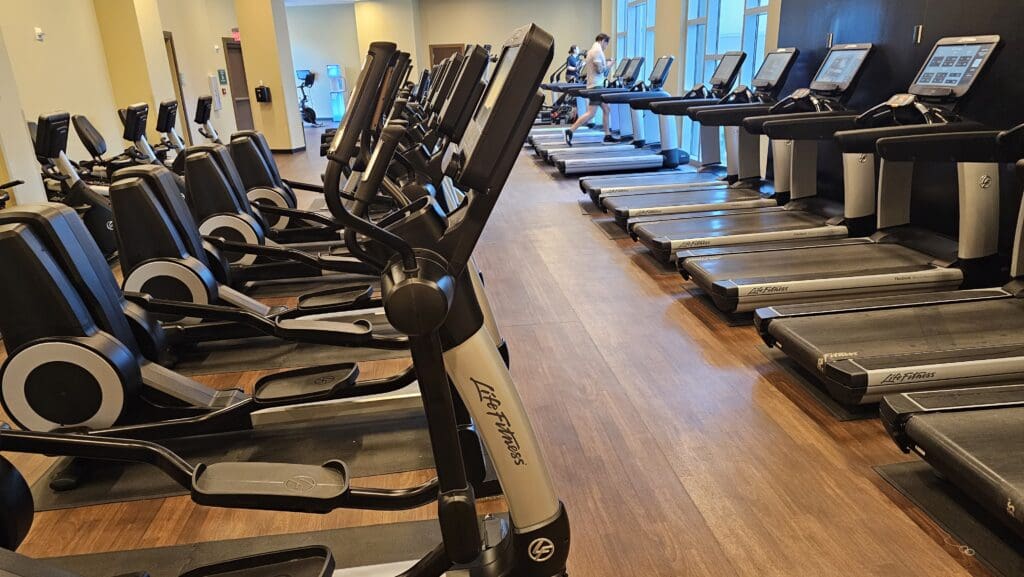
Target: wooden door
172,60
239,84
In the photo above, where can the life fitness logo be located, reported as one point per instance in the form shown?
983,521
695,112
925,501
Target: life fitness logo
541,549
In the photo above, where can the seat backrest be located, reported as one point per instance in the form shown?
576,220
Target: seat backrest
151,218
63,236
90,137
255,163
212,184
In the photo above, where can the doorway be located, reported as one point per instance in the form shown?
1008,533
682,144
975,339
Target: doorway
439,52
172,60
238,83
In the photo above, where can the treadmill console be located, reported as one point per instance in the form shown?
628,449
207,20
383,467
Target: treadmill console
774,69
660,72
633,70
727,70
953,66
841,67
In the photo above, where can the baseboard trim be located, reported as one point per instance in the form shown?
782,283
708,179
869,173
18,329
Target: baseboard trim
289,150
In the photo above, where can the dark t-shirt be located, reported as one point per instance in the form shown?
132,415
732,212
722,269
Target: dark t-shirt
572,70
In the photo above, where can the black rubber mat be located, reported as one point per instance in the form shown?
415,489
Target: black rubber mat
979,533
808,383
610,228
382,447
587,207
352,547
270,353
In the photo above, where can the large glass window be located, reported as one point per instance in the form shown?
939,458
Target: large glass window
634,31
714,27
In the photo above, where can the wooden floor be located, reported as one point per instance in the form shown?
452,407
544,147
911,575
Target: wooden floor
678,448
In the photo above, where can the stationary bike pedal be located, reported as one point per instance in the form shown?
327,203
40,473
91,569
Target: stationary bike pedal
271,486
335,299
314,561
307,385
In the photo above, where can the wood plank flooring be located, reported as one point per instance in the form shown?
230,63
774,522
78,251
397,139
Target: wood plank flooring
678,448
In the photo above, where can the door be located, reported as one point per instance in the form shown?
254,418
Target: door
172,60
238,83
439,52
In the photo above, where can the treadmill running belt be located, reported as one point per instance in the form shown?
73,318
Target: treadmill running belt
807,263
939,334
981,453
654,179
636,202
728,224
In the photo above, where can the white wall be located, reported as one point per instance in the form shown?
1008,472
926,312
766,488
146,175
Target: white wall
322,35
67,71
491,21
198,27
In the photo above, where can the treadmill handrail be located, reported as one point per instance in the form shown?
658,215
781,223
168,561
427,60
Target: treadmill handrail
755,124
865,140
679,106
979,146
728,114
821,127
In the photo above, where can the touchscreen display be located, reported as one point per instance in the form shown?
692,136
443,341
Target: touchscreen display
953,65
841,66
725,69
773,67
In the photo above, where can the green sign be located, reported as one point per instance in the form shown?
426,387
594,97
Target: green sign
222,75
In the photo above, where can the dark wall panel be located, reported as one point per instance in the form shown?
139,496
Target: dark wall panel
996,100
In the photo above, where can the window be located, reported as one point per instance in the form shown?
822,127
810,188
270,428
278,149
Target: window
634,31
714,27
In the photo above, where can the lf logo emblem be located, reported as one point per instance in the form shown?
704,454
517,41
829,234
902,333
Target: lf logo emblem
110,225
541,549
985,181
863,159
300,484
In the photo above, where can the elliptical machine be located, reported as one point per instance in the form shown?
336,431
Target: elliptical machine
425,296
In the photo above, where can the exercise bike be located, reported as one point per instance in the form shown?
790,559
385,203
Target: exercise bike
306,80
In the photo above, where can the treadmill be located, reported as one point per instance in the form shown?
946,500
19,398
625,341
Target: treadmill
861,349
722,80
897,259
620,101
768,81
971,437
804,214
555,135
745,187
663,153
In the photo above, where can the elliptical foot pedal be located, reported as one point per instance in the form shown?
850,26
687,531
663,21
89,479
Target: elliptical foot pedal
335,299
272,486
307,385
315,561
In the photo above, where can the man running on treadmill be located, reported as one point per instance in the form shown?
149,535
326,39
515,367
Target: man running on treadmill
596,66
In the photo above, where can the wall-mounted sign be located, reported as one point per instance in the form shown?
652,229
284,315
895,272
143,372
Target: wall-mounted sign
235,35
222,76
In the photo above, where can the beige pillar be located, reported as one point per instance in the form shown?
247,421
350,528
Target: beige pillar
669,39
395,21
771,38
133,43
17,159
267,52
